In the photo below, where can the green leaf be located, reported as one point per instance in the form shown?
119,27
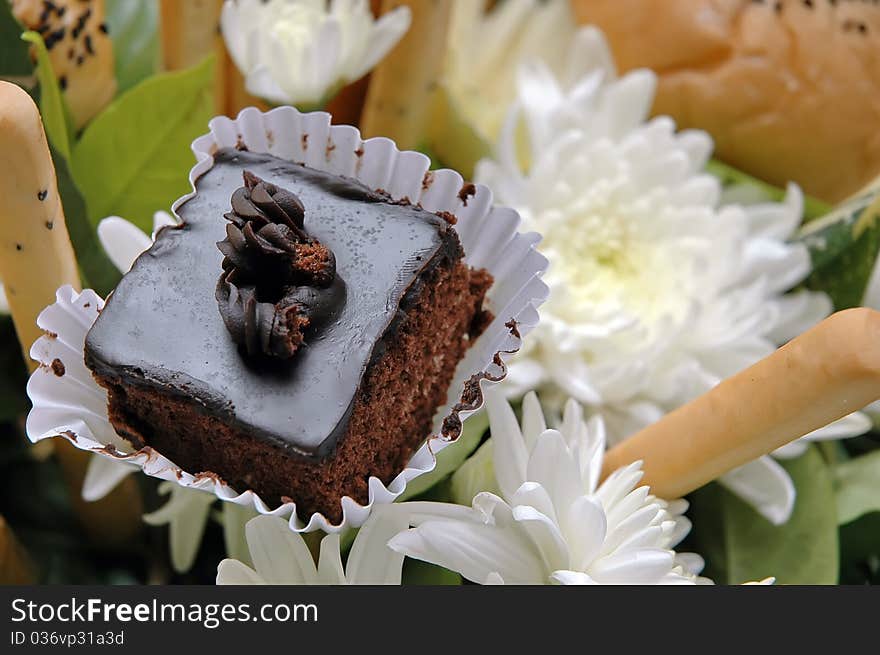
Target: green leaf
97,271
451,457
475,475
730,176
843,247
56,117
802,551
416,572
15,61
134,29
134,158
234,517
452,139
857,482
860,550
13,373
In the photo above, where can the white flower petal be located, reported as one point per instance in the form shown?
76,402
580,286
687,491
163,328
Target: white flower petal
330,569
536,496
545,536
552,466
645,566
102,475
387,31
473,550
533,423
122,241
764,485
791,450
233,572
585,528
510,450
235,518
302,52
280,555
186,514
799,311
850,425
370,560
572,578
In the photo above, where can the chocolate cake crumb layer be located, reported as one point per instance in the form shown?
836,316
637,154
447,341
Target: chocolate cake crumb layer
392,415
360,393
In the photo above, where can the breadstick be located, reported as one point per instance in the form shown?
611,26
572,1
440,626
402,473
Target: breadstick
403,85
818,377
80,49
35,259
35,252
190,32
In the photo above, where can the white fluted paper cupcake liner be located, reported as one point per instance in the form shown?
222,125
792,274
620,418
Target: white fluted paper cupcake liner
68,403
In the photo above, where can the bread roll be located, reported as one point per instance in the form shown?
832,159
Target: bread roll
789,89
79,48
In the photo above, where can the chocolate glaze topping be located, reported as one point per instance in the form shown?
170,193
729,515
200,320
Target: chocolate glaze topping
160,328
277,282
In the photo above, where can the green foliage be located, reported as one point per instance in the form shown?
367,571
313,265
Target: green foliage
36,502
15,61
56,117
843,246
740,545
475,475
134,29
416,572
860,550
13,374
134,158
96,270
451,458
857,482
731,176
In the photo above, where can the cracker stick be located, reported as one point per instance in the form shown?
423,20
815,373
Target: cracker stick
403,84
190,32
820,376
35,259
35,252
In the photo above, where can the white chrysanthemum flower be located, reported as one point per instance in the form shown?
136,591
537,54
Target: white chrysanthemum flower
280,556
554,522
658,292
485,49
300,52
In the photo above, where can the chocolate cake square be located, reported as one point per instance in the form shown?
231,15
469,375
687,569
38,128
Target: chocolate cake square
294,336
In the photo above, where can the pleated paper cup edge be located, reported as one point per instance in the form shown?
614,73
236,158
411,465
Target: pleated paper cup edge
404,175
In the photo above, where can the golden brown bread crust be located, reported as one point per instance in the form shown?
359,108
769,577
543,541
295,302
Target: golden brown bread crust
822,375
789,89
